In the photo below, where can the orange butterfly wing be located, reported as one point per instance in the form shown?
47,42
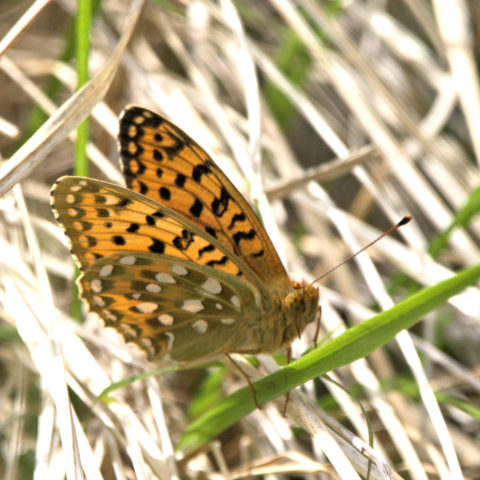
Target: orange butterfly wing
101,219
162,162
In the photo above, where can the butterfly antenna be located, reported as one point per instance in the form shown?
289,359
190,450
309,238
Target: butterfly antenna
402,222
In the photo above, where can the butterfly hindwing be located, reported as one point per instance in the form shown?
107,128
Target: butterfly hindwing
162,162
171,308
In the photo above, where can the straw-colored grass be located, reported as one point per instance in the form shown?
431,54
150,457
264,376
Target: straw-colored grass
335,119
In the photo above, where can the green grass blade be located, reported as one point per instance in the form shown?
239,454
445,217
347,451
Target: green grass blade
81,167
355,343
84,17
463,217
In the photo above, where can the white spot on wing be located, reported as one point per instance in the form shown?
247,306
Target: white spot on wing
111,199
227,321
99,301
69,198
219,306
83,183
106,270
96,285
75,188
179,270
136,295
109,315
236,301
146,307
212,286
165,319
153,288
127,330
129,260
193,305
164,278
200,326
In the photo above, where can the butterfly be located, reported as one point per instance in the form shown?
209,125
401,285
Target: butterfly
178,262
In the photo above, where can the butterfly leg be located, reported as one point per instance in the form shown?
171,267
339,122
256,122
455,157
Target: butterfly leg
289,355
247,378
287,395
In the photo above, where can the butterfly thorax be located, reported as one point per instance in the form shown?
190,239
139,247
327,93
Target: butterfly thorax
293,312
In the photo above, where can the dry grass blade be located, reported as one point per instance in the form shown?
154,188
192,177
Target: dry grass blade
325,173
67,117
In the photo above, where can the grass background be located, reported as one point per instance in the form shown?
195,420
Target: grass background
335,119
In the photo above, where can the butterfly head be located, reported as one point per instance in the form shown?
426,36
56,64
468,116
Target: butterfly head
300,308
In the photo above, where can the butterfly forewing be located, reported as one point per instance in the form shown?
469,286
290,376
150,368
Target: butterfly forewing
162,162
173,309
101,219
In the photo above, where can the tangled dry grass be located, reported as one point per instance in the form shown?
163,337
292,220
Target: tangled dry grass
338,118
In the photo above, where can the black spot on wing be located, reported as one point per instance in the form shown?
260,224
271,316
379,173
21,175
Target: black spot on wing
143,188
183,242
220,205
123,202
92,241
103,212
164,193
198,171
206,249
174,150
118,240
211,231
133,227
222,261
86,226
180,180
157,246
196,208
238,236
238,217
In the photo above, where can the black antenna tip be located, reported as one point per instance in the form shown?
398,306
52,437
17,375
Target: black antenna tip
404,220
